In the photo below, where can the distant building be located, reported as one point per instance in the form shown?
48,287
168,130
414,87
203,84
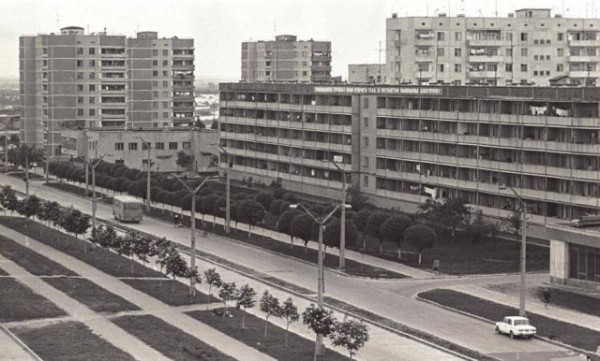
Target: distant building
130,147
73,79
526,47
367,73
287,60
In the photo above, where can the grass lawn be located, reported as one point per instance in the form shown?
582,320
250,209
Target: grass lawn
169,291
168,340
273,345
69,341
567,333
90,294
100,258
297,250
19,303
32,261
572,300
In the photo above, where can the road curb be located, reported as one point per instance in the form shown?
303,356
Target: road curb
541,338
21,343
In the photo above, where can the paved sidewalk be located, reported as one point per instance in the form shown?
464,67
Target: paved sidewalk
12,350
97,323
146,303
533,305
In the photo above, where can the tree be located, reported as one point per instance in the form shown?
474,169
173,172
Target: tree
285,221
74,221
332,236
515,222
393,229
184,160
142,248
373,226
245,299
320,320
9,199
54,212
478,229
175,265
420,237
228,292
213,278
448,214
358,200
269,304
350,334
289,312
251,212
214,125
302,227
208,204
265,199
360,220
29,206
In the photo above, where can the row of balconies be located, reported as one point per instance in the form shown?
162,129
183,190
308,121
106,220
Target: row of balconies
540,120
491,165
525,144
288,106
288,124
291,142
317,163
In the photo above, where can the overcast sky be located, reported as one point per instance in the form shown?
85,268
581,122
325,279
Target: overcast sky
355,27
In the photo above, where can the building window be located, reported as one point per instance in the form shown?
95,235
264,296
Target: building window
267,73
92,51
133,146
535,73
523,51
366,103
119,161
165,73
560,52
155,73
366,142
186,145
145,146
92,76
366,121
441,36
547,57
79,100
508,68
80,112
457,68
79,63
457,52
92,100
79,75
165,52
523,36
560,36
165,115
172,145
159,145
165,63
92,112
523,68
304,73
509,51
366,161
547,72
365,181
92,63
154,52
535,57
79,51
440,51
560,67
441,66
92,88
458,36
154,62
79,87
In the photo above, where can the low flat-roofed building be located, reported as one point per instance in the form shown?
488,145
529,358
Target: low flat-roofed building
129,147
367,73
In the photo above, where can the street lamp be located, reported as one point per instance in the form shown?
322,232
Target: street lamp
92,165
320,270
227,190
193,230
149,165
523,248
336,159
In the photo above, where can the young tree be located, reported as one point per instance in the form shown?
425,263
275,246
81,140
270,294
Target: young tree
142,248
251,212
515,222
373,226
74,221
184,160
351,335
420,237
9,199
275,207
246,299
289,312
227,292
213,278
331,235
320,320
175,265
393,229
303,227
269,304
360,220
284,222
265,199
29,206
54,212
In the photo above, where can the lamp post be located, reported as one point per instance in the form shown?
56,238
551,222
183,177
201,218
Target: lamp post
523,248
343,213
149,165
193,230
227,190
320,269
92,165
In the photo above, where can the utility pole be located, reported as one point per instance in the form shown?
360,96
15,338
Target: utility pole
149,164
227,190
193,230
342,216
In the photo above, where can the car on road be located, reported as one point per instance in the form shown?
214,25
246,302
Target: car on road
515,326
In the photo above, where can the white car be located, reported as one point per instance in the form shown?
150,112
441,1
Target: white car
516,326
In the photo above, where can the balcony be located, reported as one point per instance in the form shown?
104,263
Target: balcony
424,74
584,74
424,58
488,42
483,74
584,59
584,43
485,58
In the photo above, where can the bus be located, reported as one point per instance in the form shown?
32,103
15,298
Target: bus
127,209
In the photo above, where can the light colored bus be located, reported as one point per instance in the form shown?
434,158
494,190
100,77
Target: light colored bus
127,209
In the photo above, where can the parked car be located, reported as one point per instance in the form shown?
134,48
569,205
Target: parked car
516,326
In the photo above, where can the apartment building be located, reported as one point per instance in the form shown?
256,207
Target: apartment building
286,59
527,47
367,73
403,144
74,79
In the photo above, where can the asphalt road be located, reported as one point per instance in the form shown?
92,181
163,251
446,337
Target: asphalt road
394,299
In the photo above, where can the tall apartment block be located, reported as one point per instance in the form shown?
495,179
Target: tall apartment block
529,46
286,60
73,79
403,144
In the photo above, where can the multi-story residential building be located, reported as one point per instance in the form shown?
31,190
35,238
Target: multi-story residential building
73,79
403,144
367,73
286,59
529,46
133,148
